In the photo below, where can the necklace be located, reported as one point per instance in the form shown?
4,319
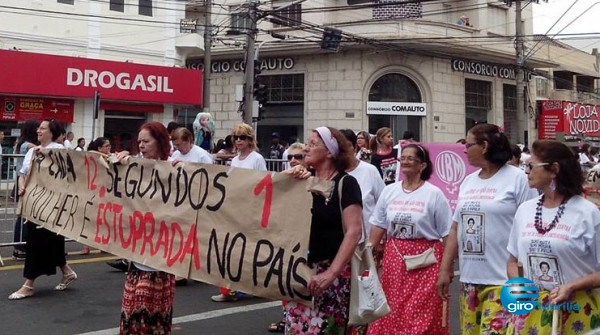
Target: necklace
538,216
419,184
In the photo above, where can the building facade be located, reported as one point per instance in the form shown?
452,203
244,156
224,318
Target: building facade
408,66
57,54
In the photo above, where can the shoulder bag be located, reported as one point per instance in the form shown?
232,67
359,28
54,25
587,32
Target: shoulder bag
367,300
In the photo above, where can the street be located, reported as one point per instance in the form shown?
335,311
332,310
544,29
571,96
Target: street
91,305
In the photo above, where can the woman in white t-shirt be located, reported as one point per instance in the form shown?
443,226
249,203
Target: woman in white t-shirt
556,237
487,202
45,250
245,143
247,158
415,216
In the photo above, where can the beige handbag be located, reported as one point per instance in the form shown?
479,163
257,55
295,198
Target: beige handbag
367,300
413,262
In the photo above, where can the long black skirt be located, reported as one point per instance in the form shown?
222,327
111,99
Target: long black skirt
45,251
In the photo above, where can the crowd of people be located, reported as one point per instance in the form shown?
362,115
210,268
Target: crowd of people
520,213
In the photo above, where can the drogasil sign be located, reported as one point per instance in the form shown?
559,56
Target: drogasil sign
123,80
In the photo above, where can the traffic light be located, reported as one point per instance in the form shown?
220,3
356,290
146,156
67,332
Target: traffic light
261,93
331,39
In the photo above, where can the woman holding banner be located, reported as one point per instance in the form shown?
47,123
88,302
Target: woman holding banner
487,201
45,250
334,236
556,237
416,216
147,305
247,158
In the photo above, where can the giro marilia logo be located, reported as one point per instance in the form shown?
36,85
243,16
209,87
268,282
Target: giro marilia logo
520,296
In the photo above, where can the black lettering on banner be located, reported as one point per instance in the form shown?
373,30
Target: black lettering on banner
288,276
39,157
298,278
45,205
238,276
139,183
213,241
181,192
203,182
221,188
276,268
256,263
54,209
224,259
130,193
86,219
165,193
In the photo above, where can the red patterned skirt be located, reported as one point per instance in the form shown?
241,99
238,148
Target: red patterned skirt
147,305
416,308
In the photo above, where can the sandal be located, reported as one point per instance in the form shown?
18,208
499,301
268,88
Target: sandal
278,327
18,295
66,280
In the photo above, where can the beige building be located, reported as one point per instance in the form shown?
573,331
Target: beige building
406,66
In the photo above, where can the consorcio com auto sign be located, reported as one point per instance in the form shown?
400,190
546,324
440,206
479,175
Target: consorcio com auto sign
520,296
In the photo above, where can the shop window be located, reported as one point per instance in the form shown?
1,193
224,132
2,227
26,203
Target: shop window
67,2
284,88
478,102
145,7
117,5
510,111
288,17
240,20
395,87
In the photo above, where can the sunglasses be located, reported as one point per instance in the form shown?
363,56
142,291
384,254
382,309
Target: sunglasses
296,157
241,137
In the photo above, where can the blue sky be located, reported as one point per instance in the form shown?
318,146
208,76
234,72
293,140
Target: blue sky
546,14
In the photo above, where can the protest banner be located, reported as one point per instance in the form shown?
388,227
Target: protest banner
591,186
245,229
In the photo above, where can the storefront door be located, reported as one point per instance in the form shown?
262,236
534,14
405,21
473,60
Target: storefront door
122,129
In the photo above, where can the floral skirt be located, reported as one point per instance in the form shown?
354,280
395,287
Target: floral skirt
147,305
481,311
416,308
330,312
539,322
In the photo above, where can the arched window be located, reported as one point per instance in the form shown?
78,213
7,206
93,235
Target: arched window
395,87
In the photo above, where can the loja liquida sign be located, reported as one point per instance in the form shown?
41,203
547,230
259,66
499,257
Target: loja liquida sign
571,118
582,119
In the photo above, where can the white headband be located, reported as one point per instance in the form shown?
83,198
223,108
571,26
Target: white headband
330,141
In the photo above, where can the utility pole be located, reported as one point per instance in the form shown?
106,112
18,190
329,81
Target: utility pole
522,118
249,78
207,61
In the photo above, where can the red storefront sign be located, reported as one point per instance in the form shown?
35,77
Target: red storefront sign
574,119
49,75
24,108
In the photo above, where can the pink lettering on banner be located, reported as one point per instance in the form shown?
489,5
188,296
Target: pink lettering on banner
450,167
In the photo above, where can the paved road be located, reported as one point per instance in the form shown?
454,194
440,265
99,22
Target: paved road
92,304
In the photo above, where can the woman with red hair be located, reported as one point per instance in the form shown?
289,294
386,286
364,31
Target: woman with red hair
147,305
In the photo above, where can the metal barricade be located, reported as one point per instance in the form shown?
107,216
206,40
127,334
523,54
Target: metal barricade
8,202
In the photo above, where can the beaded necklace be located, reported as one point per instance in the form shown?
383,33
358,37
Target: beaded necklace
538,216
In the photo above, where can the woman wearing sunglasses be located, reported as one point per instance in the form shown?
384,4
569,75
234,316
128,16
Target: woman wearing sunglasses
295,157
487,201
247,158
556,238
